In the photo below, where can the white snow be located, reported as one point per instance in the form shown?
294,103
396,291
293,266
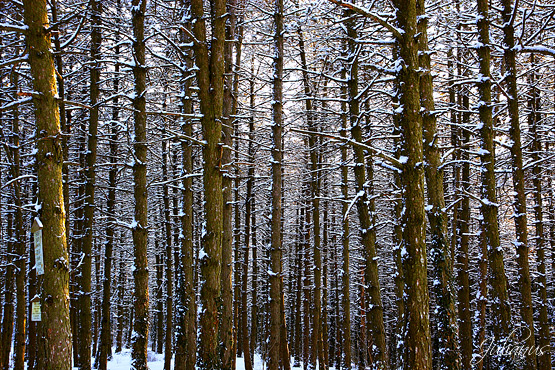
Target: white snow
122,361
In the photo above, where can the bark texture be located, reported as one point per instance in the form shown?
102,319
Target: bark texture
54,344
209,58
417,347
140,229
489,207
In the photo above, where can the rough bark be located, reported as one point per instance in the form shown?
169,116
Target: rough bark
374,307
446,329
85,309
275,277
105,350
140,227
519,205
120,304
460,138
252,204
249,201
227,315
55,331
417,346
345,266
209,58
168,328
317,338
19,242
489,207
186,332
158,324
8,306
534,119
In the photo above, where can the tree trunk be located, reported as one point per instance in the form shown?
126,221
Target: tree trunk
446,330
317,339
307,359
140,224
249,201
186,331
489,207
374,308
158,332
19,241
325,280
345,233
85,309
534,117
168,332
227,314
276,192
520,218
210,63
105,351
65,125
9,288
252,203
460,138
417,346
120,304
55,337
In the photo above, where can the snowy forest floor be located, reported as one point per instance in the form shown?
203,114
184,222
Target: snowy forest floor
122,361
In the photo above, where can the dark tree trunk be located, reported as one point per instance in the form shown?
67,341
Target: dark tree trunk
140,226
168,329
227,314
373,308
519,205
317,338
417,343
19,243
489,207
446,335
85,309
345,267
186,330
210,72
534,118
105,350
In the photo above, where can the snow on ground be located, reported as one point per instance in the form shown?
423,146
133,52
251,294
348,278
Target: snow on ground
122,361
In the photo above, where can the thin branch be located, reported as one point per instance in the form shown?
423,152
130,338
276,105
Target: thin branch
393,161
365,12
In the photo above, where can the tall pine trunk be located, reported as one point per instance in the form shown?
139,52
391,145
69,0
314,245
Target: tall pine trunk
373,308
446,331
186,330
210,71
226,319
55,331
168,329
417,342
274,272
85,309
105,349
519,205
140,224
345,231
317,338
19,241
489,207
534,119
